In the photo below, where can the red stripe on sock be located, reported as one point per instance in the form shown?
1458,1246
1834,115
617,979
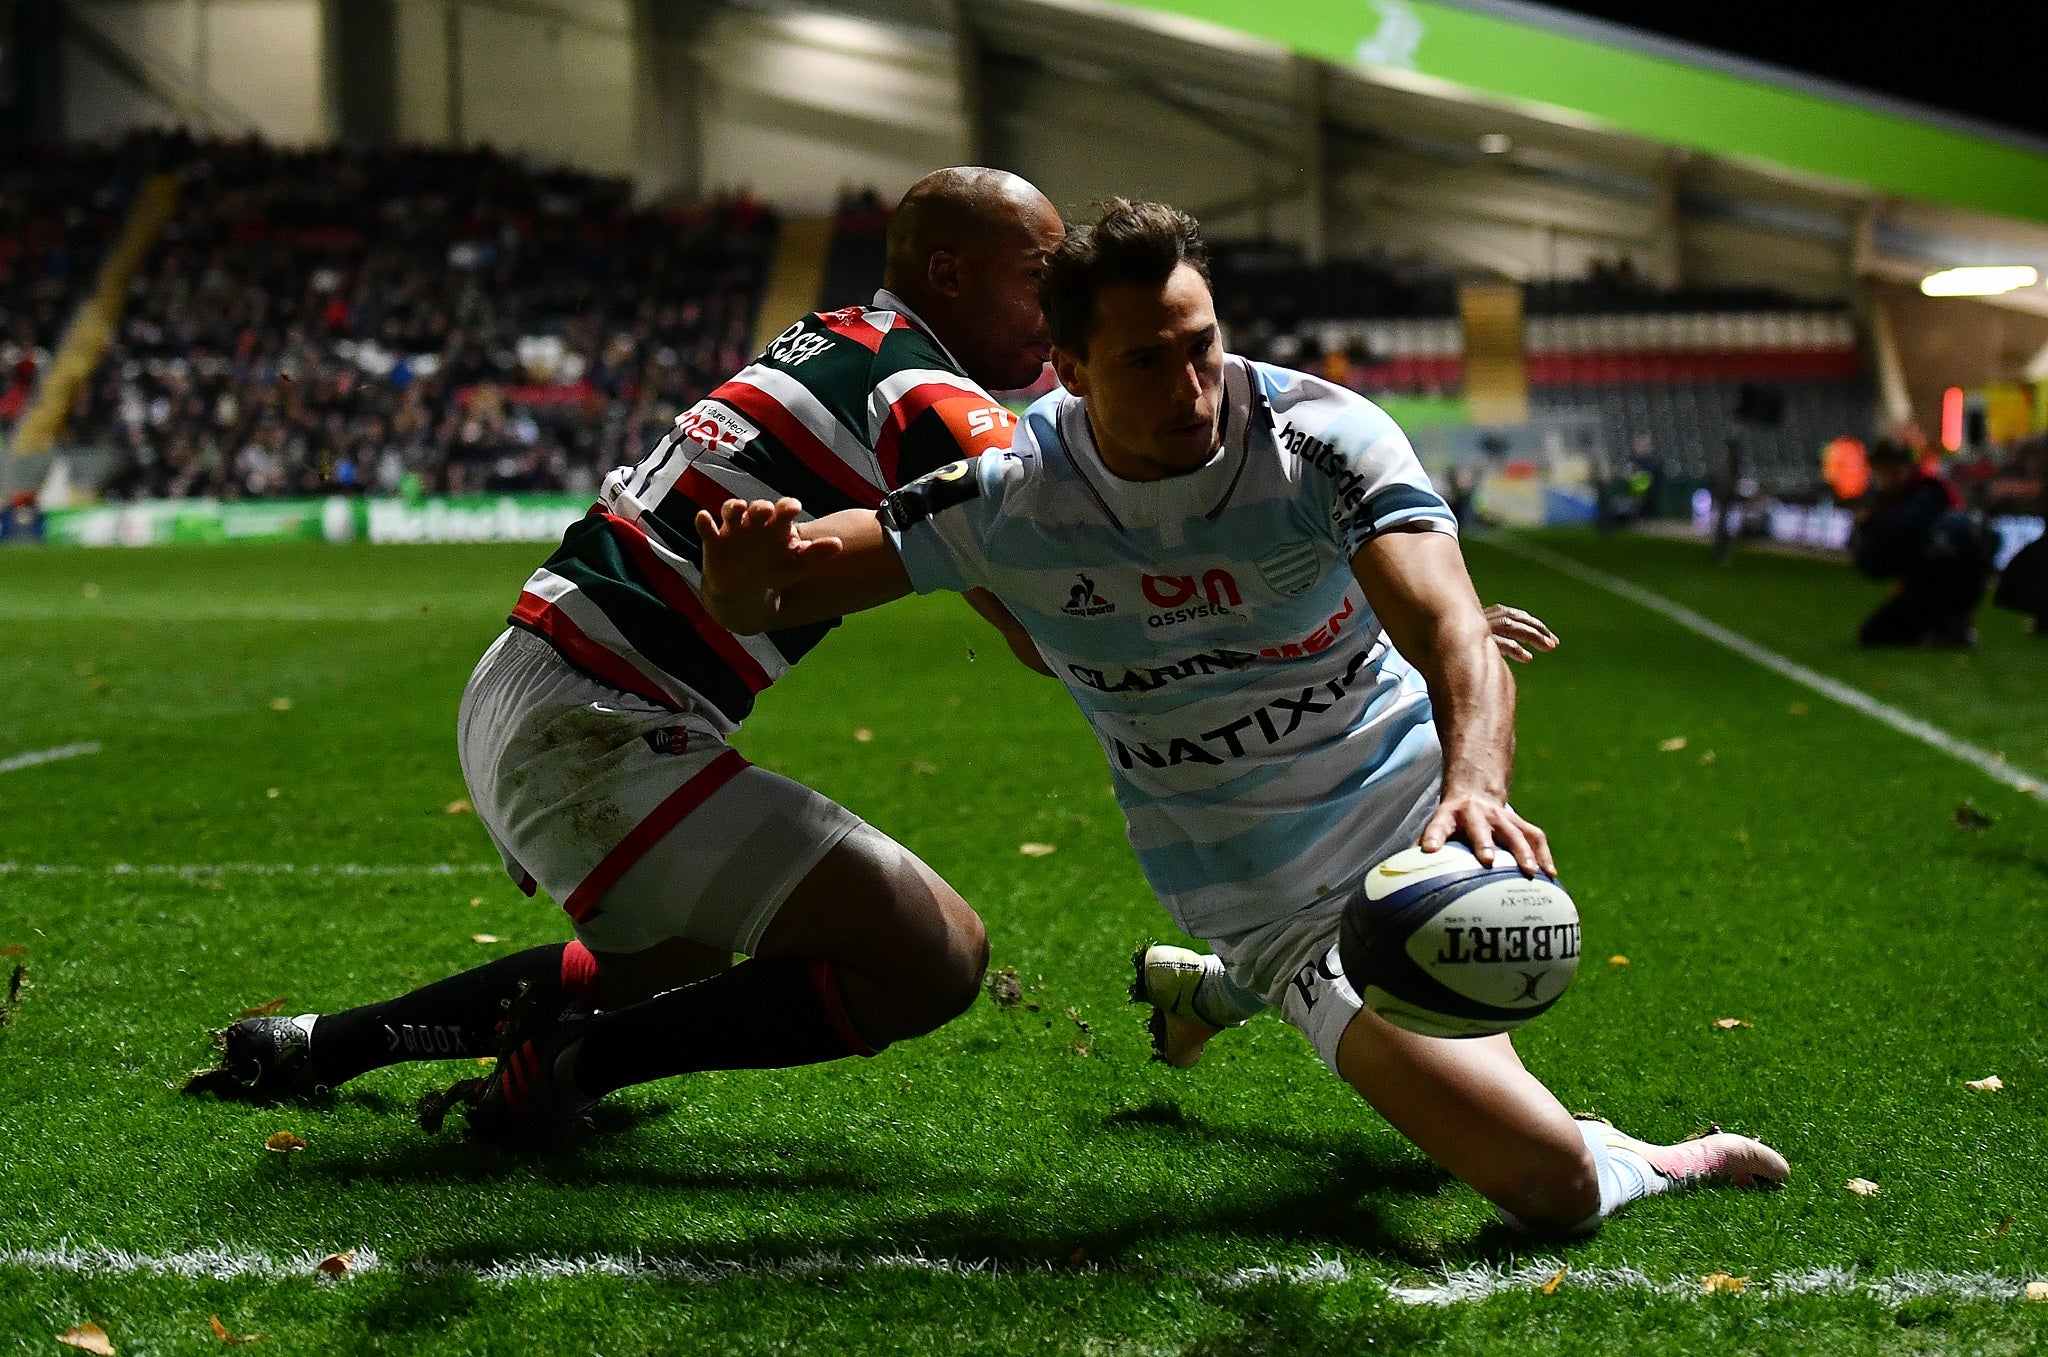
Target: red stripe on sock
825,979
579,972
582,902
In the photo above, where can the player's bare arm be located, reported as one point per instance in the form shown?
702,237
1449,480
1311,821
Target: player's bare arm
1417,584
763,570
1013,633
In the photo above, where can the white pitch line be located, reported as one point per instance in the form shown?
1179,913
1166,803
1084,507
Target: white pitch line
1834,689
62,751
1465,1286
195,869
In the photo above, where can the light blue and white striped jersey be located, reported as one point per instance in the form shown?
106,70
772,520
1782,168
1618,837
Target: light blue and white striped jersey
1261,733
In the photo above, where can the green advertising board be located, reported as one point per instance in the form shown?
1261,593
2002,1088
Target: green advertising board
457,518
1587,73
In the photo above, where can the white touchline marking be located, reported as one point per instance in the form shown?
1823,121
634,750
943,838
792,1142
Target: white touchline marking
62,751
249,868
1931,735
1464,1286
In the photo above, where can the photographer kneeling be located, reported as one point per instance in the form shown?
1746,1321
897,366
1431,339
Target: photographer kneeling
1918,531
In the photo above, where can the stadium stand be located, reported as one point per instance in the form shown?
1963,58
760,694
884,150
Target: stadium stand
320,321
1661,371
61,208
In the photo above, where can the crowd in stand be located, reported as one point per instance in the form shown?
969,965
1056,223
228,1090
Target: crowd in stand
61,208
415,320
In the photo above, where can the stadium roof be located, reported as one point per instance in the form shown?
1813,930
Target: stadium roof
1568,69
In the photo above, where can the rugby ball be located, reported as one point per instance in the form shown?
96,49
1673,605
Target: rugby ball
1438,944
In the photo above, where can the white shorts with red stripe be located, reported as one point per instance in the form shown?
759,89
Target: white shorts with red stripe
640,820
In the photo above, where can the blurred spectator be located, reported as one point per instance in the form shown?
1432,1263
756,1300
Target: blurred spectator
1918,532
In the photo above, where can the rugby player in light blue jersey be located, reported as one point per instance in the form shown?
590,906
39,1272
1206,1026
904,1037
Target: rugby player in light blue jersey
1257,600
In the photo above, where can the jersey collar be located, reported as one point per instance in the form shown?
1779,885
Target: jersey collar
889,301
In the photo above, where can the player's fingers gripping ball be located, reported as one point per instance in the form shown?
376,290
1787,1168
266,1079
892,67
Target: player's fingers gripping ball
1438,944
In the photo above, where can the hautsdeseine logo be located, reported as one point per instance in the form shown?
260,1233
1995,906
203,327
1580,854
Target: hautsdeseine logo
1083,601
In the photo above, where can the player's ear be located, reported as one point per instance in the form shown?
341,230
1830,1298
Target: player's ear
1070,372
942,271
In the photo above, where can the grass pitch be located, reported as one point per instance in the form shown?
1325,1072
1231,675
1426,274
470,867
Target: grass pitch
1023,1179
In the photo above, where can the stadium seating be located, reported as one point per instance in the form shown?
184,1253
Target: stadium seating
314,321
60,209
1660,371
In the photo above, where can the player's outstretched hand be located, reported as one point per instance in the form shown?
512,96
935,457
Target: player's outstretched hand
753,551
1486,821
1519,634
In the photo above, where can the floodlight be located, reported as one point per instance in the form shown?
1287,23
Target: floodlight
1980,280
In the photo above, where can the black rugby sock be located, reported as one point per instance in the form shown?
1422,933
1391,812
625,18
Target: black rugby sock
760,1015
456,1018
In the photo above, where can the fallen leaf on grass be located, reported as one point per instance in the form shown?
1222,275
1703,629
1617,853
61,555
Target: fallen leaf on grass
862,735
1715,1282
220,1331
1729,1024
459,807
1863,1187
284,1142
1707,757
280,704
1990,1083
485,937
1972,818
1037,850
1617,960
264,1010
87,1338
1549,1288
336,1264
2003,1226
270,792
476,899
1005,988
1672,745
2037,1291
13,949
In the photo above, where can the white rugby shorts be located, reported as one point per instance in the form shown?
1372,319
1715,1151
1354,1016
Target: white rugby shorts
640,820
1293,964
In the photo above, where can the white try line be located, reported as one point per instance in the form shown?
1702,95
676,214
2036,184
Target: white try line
1464,1286
62,751
1933,736
196,869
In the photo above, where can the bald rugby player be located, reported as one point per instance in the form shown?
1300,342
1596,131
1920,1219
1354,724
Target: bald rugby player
593,733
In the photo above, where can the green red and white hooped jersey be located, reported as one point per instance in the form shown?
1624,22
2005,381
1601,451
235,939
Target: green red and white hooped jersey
843,407
1264,739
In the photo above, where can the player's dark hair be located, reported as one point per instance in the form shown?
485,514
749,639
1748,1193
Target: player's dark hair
1127,243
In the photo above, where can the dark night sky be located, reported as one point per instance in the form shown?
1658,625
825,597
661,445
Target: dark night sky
1985,60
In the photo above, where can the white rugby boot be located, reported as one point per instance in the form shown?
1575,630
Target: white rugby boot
1717,1157
1167,978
